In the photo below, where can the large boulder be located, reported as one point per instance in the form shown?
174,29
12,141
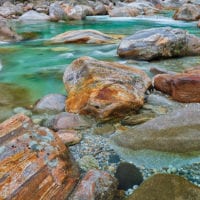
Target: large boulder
188,12
32,15
82,36
157,43
56,12
96,184
7,34
132,9
104,89
183,87
178,131
165,187
34,162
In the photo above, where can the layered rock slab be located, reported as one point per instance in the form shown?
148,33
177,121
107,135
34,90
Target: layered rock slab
178,131
157,43
104,89
34,162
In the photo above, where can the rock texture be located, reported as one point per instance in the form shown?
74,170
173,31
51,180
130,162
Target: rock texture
82,36
34,163
104,89
157,43
165,187
183,87
7,34
34,15
178,131
188,12
51,103
96,184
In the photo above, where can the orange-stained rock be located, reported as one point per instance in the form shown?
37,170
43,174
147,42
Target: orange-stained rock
104,89
34,163
183,87
97,185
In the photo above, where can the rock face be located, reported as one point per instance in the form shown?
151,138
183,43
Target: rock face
183,87
104,89
178,131
34,163
82,36
188,12
165,187
96,184
132,9
51,103
157,43
7,34
33,15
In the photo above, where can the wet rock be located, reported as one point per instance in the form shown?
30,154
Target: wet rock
157,43
103,129
67,120
82,36
104,89
7,34
8,10
22,110
96,184
98,8
183,87
128,175
56,12
188,12
157,70
69,137
34,163
165,187
178,131
51,103
132,9
88,162
32,15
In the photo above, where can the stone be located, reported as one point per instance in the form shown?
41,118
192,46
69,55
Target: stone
69,137
67,120
98,8
34,162
198,24
104,89
165,187
177,131
96,184
56,12
103,129
8,10
157,43
187,12
132,9
22,110
183,87
158,70
51,103
7,34
32,15
82,36
128,175
88,162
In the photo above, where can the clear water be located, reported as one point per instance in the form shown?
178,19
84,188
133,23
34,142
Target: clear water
39,67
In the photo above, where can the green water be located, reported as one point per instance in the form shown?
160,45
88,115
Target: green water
39,67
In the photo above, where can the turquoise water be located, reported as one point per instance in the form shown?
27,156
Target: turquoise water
39,67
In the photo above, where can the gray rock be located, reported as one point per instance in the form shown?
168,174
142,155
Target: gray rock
33,15
159,43
56,12
178,131
51,103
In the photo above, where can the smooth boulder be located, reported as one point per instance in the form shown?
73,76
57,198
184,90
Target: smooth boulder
157,43
104,89
183,87
188,12
82,36
166,187
178,131
32,15
34,163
